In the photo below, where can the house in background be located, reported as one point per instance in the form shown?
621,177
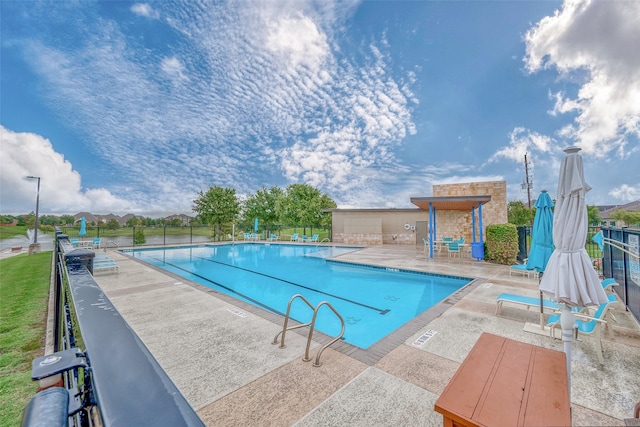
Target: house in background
608,211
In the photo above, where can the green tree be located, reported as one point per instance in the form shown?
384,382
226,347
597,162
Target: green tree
218,207
133,221
302,204
594,217
112,224
630,218
29,220
519,214
66,220
263,205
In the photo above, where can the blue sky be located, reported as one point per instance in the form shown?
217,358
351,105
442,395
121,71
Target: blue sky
124,107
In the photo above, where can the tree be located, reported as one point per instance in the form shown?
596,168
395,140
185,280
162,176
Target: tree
302,204
132,221
519,214
112,224
66,219
263,205
217,207
593,214
630,218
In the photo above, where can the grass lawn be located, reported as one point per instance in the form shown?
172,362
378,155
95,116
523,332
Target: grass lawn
24,293
13,231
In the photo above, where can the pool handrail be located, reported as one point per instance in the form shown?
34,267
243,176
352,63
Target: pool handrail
312,323
286,320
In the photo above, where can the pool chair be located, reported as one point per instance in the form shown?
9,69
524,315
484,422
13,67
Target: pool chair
74,242
528,302
104,266
294,237
453,249
311,239
96,243
273,238
522,269
588,325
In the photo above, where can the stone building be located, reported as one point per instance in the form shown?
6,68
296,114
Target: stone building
453,205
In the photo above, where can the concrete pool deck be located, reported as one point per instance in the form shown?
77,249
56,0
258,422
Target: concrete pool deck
218,350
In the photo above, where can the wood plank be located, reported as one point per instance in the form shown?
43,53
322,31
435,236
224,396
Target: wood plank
503,397
460,398
548,395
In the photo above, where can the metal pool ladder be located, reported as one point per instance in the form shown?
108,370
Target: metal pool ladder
315,309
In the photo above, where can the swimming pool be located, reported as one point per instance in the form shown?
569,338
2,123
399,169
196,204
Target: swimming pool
373,301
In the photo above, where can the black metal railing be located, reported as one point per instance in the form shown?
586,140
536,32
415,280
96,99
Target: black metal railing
620,261
100,369
178,235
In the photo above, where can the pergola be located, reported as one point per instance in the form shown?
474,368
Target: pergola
454,203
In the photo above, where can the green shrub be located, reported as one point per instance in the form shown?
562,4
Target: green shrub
138,236
502,243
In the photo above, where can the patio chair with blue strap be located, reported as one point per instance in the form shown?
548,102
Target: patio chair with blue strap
589,325
311,239
294,237
96,243
453,248
522,269
75,242
530,302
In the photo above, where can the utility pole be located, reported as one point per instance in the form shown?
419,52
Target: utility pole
527,184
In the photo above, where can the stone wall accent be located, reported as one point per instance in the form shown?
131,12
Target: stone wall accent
456,224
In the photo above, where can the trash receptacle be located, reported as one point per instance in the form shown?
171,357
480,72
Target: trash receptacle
477,250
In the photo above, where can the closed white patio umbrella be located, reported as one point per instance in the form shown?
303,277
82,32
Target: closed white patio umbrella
570,277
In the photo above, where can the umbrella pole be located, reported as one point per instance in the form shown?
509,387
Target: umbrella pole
541,305
567,323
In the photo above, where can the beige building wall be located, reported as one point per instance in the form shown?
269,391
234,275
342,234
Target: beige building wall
408,226
376,226
457,224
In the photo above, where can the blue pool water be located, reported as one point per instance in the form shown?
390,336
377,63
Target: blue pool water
373,301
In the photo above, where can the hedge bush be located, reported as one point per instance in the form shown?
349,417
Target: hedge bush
502,243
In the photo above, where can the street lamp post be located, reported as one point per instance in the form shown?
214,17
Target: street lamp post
35,246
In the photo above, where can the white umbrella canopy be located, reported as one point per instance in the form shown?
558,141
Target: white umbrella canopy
570,277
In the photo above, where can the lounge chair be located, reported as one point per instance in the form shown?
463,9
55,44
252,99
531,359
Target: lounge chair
105,266
589,325
522,269
548,304
294,237
526,301
273,238
74,242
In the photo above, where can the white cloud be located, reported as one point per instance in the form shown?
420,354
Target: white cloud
145,9
173,68
522,141
27,154
626,193
596,41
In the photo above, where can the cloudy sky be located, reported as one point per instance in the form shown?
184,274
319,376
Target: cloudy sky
125,107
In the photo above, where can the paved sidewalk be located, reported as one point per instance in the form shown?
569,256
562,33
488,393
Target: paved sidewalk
218,350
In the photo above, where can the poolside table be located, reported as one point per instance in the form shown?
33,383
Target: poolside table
503,382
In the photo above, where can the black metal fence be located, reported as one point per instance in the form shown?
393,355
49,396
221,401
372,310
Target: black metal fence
621,262
172,235
524,244
101,374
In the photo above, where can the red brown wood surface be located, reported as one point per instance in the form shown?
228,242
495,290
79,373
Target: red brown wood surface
506,382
